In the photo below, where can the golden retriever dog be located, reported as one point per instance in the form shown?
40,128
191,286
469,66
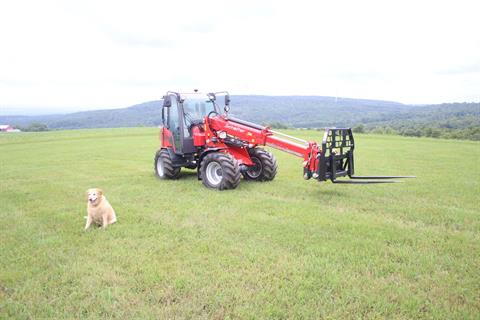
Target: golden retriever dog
99,210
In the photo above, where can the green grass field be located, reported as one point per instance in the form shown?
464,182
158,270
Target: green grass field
283,249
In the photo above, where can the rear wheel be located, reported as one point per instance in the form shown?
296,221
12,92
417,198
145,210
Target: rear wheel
164,168
220,171
264,165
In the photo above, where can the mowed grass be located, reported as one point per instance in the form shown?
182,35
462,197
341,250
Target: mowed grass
283,249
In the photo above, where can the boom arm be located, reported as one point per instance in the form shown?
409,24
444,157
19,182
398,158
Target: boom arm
241,134
333,159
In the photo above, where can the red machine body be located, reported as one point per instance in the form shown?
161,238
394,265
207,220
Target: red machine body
253,135
196,135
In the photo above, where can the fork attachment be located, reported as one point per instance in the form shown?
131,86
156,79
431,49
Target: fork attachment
336,159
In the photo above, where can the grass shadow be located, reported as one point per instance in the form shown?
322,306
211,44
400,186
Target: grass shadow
188,174
328,194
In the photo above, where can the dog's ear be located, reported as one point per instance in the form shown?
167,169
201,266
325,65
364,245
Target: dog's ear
99,193
86,193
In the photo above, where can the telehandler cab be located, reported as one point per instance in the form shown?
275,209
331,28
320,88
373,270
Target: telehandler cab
195,134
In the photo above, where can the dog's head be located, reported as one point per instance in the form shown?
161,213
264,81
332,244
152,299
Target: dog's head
94,196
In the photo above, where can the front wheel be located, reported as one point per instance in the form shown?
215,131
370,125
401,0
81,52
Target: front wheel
264,165
220,171
164,168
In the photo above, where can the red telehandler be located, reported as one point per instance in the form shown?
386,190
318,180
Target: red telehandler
196,135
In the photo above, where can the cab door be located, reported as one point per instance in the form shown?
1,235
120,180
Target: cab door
173,120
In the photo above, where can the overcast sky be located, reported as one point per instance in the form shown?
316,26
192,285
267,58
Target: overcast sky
100,54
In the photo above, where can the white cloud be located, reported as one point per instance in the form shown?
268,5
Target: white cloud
92,54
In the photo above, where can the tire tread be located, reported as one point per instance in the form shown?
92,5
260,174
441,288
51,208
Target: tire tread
269,165
170,172
230,170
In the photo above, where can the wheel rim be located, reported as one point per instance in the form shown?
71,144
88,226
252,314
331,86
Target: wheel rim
160,169
256,170
214,173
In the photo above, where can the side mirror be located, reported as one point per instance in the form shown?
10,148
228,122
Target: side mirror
211,96
167,103
227,103
163,117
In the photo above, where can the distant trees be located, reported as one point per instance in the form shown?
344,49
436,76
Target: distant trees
34,127
447,121
359,128
277,125
469,133
450,121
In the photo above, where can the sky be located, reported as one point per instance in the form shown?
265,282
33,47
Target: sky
79,55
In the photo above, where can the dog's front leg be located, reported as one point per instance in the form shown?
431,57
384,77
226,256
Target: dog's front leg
104,221
89,222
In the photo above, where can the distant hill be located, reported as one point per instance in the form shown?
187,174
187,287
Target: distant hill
447,115
144,114
311,111
292,111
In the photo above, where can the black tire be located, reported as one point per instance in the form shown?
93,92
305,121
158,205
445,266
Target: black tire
163,166
220,171
264,168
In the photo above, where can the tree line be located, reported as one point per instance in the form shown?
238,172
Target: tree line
468,133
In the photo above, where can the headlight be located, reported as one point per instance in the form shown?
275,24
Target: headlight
222,134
